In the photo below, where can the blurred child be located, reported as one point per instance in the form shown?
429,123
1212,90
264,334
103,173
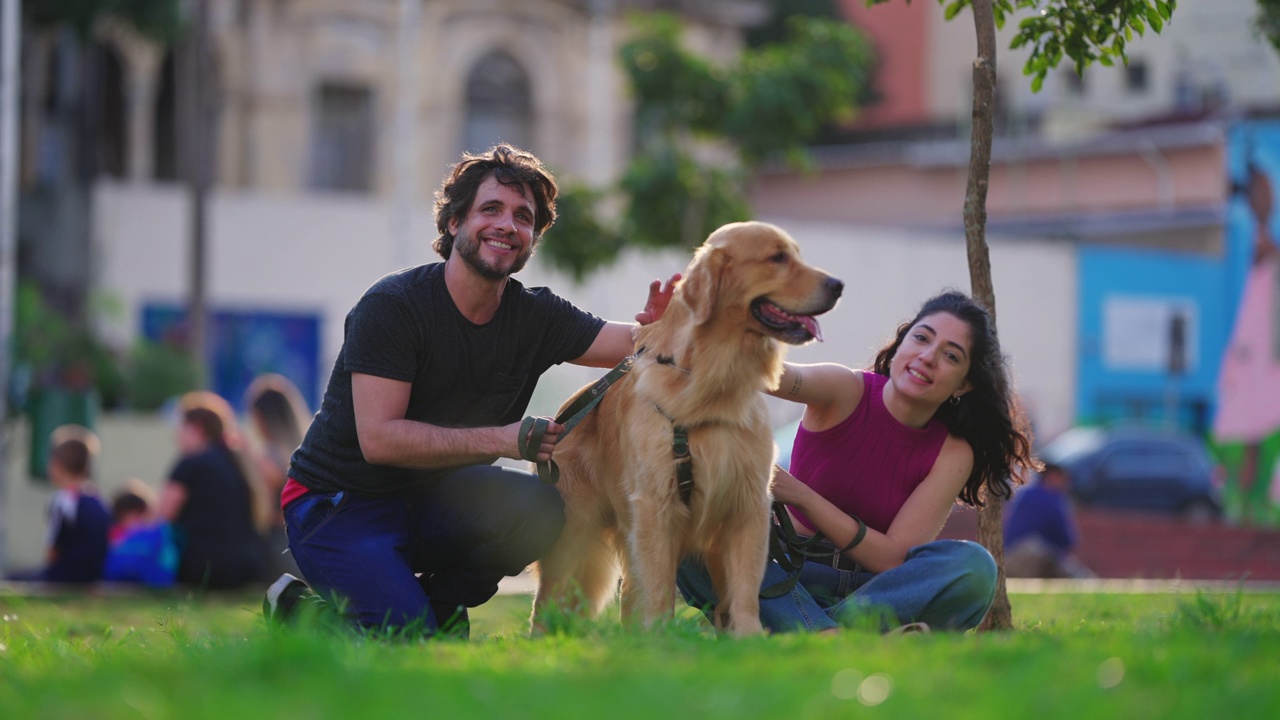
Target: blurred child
1040,532
78,521
142,547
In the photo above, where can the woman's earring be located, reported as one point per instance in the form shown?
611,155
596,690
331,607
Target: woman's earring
955,399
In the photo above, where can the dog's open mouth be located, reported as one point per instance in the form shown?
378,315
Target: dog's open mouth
788,327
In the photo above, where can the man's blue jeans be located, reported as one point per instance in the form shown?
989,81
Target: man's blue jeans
390,560
948,584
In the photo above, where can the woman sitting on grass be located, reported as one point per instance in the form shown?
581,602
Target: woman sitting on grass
879,460
210,499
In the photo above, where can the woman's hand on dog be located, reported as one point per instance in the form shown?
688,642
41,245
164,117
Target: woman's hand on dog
787,489
659,299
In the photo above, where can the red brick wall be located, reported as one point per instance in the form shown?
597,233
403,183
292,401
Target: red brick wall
1132,545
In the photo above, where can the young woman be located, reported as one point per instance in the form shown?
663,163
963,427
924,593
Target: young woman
277,415
879,459
209,499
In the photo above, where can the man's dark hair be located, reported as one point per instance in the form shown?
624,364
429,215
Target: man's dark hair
511,166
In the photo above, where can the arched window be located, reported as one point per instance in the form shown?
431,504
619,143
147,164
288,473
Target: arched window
498,103
172,140
165,139
342,137
109,112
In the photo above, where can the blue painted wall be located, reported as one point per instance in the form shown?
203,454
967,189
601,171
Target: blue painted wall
1127,297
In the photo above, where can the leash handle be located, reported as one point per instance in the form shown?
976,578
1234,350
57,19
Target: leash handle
578,408
790,551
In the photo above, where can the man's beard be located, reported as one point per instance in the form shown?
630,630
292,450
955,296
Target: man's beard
468,248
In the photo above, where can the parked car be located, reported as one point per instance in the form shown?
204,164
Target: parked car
1138,468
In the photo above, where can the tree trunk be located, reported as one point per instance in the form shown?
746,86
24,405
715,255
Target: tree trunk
990,532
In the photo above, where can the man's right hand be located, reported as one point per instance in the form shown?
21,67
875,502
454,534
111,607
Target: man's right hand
544,447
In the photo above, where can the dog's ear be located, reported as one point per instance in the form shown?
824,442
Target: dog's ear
701,284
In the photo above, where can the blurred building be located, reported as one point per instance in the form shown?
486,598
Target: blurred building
330,125
1130,167
1111,215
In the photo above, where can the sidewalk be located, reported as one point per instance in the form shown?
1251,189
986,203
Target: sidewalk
526,583
1136,586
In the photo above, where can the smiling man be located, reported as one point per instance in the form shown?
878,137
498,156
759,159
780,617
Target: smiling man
393,504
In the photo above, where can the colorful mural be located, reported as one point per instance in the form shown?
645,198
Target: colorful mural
1246,427
1192,340
243,344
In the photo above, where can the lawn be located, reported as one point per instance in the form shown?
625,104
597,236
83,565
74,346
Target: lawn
1158,655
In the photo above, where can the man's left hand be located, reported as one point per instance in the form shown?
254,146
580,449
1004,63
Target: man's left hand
659,298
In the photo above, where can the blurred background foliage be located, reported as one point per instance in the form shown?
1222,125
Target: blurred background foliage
701,128
160,20
53,352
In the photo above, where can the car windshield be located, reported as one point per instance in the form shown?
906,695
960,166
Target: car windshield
1074,443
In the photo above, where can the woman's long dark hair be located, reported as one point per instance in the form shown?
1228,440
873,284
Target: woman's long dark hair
988,417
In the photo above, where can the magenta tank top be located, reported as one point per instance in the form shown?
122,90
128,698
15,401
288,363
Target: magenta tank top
870,463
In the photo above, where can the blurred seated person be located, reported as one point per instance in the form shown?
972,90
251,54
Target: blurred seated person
78,520
1040,533
142,547
278,418
210,500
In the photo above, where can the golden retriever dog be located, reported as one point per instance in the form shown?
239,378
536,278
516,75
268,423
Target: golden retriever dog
702,367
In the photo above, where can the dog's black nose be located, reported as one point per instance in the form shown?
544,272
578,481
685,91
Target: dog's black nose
835,287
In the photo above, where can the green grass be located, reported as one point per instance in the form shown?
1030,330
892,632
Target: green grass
1193,655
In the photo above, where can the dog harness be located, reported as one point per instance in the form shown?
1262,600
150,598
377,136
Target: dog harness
680,452
533,429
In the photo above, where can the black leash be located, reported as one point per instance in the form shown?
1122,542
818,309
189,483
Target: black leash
791,550
533,429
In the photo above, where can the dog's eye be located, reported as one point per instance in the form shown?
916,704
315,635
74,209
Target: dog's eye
780,258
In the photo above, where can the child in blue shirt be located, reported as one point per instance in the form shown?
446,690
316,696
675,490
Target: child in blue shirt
78,520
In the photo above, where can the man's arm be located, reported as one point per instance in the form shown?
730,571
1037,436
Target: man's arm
617,340
387,438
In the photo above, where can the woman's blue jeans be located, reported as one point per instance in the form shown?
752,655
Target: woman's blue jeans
390,560
948,584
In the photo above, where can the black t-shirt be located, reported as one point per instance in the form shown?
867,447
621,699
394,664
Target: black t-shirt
407,328
80,541
220,545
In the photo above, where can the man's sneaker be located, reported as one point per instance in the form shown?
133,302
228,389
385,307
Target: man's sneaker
453,621
915,628
282,597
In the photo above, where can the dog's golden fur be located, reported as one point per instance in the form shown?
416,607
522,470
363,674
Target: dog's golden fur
702,366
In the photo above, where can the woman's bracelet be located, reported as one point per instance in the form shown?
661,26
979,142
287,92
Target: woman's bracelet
857,538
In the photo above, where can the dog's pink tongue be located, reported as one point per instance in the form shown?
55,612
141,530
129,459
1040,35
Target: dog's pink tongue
811,324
